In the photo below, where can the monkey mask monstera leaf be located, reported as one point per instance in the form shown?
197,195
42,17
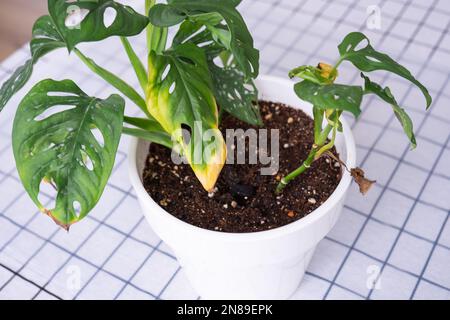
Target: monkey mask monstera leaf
184,80
68,139
74,149
180,94
61,135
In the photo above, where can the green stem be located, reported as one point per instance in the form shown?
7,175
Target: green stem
318,121
320,139
148,5
338,63
309,160
294,174
147,129
138,67
115,81
328,146
144,123
324,135
156,36
155,137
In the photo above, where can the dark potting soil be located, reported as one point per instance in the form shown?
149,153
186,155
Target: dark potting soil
244,200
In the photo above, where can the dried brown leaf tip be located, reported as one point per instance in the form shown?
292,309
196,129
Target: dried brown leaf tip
50,214
363,183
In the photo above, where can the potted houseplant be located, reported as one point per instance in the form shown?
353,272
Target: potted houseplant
237,232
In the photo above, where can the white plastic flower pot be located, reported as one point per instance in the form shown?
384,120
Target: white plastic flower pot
261,265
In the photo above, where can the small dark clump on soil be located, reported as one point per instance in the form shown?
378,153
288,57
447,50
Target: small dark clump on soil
244,200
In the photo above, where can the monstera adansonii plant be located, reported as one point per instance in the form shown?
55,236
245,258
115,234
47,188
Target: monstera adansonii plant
66,138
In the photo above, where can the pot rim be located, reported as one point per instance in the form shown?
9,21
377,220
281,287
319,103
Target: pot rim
297,225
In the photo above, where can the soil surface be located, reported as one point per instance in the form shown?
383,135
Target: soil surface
244,200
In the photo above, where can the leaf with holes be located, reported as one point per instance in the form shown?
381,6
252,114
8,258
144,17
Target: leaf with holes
84,21
165,16
213,22
400,113
331,96
45,39
198,34
234,95
75,146
367,59
15,82
181,94
239,41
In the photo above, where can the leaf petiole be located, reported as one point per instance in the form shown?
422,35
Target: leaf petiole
155,137
115,81
156,36
309,160
138,67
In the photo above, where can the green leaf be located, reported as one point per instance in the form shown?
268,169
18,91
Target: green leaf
386,95
367,59
233,92
181,94
234,3
241,43
16,82
163,15
191,32
127,21
332,96
310,73
234,95
45,39
192,98
49,143
219,33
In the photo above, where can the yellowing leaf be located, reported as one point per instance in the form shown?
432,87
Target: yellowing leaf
180,96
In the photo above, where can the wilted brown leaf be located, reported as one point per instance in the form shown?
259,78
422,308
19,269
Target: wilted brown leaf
363,183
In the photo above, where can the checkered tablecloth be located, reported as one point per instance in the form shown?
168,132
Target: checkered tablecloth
400,230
